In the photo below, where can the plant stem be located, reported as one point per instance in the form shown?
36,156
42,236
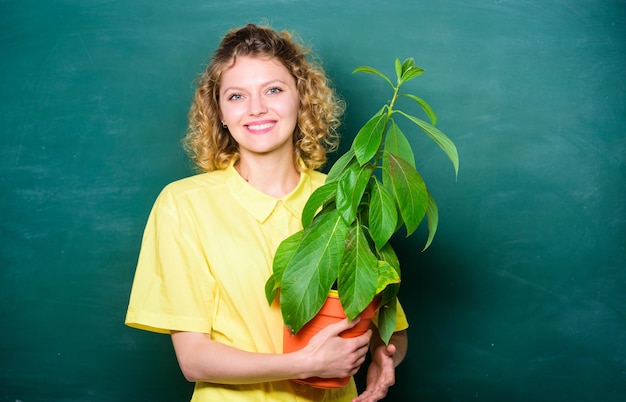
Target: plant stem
396,89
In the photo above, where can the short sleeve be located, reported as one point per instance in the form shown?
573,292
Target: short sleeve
172,288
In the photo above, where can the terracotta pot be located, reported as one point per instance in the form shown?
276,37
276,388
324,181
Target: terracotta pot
331,312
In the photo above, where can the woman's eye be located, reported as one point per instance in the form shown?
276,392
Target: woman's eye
235,96
274,90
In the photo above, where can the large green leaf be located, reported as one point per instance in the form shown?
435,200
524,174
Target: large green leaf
285,251
366,69
341,165
321,196
369,138
440,138
383,214
352,185
358,274
312,269
397,143
409,190
432,214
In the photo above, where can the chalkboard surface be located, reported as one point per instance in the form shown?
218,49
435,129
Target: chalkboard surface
522,296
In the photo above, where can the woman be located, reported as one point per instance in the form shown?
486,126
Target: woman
262,119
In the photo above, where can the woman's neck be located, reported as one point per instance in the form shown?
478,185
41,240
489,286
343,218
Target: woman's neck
276,177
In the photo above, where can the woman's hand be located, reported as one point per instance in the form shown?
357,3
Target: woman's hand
334,356
381,373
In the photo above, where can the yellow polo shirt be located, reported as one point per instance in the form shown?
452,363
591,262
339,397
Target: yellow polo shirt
206,254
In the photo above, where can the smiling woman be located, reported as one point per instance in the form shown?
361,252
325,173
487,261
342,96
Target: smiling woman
262,120
319,109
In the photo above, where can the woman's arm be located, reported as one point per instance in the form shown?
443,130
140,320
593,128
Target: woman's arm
327,355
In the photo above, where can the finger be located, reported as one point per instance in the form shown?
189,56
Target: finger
384,352
364,338
391,349
367,395
340,326
364,343
363,397
376,393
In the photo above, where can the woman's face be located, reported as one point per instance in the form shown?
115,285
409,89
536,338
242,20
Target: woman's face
259,104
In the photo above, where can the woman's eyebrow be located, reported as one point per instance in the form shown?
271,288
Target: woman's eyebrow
238,88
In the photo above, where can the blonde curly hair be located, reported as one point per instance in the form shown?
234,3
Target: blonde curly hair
211,146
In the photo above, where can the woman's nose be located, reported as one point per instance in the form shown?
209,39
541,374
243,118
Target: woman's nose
257,105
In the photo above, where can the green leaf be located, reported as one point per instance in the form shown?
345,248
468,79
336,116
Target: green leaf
341,165
320,197
383,214
369,138
411,73
409,190
406,64
387,275
389,296
358,274
350,191
308,277
271,289
425,107
432,214
366,69
387,320
397,143
285,251
388,255
398,69
440,138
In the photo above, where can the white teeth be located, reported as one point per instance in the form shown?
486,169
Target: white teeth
260,126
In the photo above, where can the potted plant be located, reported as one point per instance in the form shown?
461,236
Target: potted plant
370,193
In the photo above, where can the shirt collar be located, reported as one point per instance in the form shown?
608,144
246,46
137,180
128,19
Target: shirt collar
261,205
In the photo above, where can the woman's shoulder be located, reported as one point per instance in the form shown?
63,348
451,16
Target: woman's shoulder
213,178
199,183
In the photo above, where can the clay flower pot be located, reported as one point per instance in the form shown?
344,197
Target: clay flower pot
331,312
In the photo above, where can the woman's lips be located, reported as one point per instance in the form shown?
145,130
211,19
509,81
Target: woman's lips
260,127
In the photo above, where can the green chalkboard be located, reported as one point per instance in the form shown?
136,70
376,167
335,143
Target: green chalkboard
522,296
